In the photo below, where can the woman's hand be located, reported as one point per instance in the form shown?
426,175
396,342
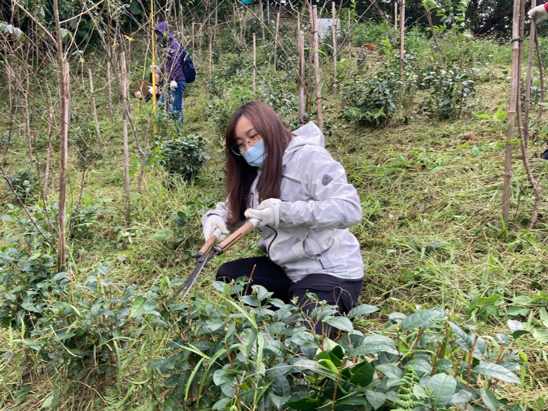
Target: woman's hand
538,14
213,222
268,212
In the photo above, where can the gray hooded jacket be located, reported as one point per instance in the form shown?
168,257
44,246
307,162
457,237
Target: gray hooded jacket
318,208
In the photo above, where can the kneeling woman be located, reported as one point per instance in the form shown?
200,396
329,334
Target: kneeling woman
305,206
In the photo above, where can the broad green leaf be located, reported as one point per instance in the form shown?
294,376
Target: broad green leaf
222,403
390,370
420,366
304,404
516,328
341,323
221,377
443,387
420,319
376,399
282,387
489,399
461,397
492,370
142,307
362,309
364,375
374,344
329,365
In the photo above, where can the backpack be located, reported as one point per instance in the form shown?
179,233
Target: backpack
188,68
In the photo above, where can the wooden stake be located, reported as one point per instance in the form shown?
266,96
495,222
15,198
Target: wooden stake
334,27
402,32
126,144
94,111
515,87
254,64
276,39
317,66
300,43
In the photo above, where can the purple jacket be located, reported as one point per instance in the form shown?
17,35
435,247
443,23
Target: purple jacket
174,63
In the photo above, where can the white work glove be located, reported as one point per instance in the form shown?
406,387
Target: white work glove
268,212
155,69
538,14
172,84
138,94
211,224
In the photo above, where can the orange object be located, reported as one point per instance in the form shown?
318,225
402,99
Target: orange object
369,47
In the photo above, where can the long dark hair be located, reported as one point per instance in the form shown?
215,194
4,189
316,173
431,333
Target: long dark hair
240,175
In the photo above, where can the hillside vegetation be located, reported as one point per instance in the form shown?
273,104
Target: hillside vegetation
454,305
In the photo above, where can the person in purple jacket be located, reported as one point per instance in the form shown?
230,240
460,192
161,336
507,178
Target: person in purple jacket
172,69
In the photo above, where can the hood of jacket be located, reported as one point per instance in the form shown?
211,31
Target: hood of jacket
307,135
162,29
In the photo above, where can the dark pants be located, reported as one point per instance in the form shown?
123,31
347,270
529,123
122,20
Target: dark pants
335,291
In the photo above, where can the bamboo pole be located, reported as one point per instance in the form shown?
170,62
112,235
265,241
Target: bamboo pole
254,64
193,48
349,42
94,111
402,33
527,101
434,37
262,17
515,87
334,27
125,136
542,83
317,66
396,15
300,42
210,58
64,94
109,91
63,162
276,39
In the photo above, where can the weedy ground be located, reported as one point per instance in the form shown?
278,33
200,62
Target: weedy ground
432,233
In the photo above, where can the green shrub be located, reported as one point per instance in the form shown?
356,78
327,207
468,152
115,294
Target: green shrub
24,183
182,156
259,353
450,91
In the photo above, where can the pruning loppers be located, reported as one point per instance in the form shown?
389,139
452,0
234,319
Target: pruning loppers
208,251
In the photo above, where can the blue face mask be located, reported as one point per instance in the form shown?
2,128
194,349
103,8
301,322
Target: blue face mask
255,155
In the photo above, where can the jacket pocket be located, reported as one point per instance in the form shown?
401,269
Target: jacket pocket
316,245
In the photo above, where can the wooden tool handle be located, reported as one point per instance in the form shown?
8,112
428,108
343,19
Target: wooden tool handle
208,245
233,239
